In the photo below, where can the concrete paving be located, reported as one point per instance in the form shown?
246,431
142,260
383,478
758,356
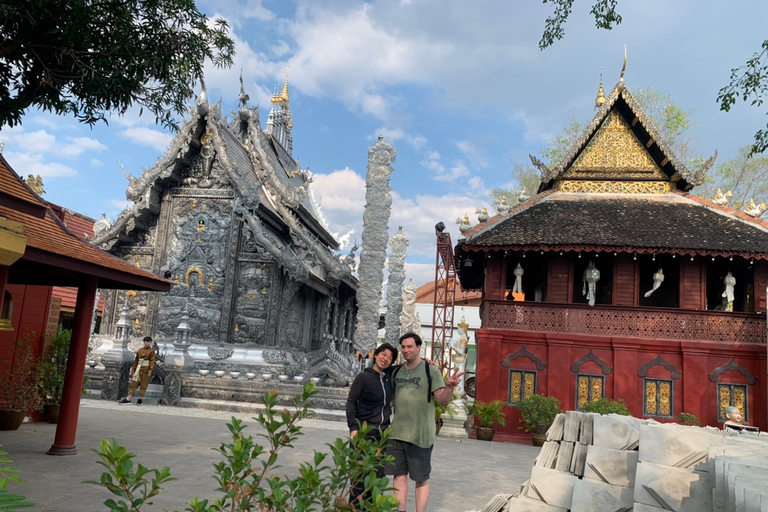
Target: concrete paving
465,473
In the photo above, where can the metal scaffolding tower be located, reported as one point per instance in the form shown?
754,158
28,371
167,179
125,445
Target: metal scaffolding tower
443,301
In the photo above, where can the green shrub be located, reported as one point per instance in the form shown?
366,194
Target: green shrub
688,419
489,413
606,406
10,501
537,412
246,477
53,366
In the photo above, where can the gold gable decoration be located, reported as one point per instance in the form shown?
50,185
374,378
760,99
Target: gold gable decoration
615,187
615,153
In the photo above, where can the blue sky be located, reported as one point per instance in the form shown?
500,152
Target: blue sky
460,88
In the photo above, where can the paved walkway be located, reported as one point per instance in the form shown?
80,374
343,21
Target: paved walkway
465,473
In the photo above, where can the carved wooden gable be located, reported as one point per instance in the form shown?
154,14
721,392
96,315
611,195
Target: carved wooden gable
615,160
615,153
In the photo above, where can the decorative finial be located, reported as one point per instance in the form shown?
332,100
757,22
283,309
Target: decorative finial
202,100
624,67
36,184
600,100
243,96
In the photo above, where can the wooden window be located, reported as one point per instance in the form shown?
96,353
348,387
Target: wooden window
732,394
522,384
588,389
658,398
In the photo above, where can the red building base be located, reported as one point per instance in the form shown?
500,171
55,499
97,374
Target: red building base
666,377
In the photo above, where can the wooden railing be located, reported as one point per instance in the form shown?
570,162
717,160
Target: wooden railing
657,323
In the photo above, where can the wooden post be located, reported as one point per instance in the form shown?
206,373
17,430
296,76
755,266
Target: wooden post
66,430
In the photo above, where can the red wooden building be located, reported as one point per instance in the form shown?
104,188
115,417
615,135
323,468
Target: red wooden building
37,252
619,204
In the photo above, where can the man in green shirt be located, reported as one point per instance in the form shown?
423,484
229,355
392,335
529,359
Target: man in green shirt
412,434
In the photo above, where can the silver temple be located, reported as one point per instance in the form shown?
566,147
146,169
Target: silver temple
226,214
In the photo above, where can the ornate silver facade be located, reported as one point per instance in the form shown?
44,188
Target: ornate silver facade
226,215
378,202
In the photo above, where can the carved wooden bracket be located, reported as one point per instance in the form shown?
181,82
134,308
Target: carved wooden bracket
524,352
575,367
659,361
732,365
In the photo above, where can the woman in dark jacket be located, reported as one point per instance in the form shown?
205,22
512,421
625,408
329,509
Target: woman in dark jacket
370,399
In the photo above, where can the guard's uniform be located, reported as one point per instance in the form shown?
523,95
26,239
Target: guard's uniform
142,369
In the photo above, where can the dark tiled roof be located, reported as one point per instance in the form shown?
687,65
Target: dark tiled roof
666,223
56,255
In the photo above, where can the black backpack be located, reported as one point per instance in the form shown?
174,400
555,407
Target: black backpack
429,380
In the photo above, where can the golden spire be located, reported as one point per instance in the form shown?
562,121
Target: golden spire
600,100
282,98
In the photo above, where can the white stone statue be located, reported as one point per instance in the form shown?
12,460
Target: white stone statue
459,347
658,278
591,277
482,215
409,308
518,286
730,282
416,326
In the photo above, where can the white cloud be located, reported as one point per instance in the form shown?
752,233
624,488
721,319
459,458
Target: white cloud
26,163
280,49
475,155
458,170
148,137
95,162
76,146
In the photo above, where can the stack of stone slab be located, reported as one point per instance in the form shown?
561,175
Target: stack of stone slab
613,463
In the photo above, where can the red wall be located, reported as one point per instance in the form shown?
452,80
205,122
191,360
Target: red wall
32,313
693,392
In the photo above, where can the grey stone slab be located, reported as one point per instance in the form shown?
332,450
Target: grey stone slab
642,507
548,455
740,476
749,495
587,427
728,467
523,504
615,431
572,426
564,457
614,467
677,446
555,431
677,489
552,487
497,503
578,461
592,496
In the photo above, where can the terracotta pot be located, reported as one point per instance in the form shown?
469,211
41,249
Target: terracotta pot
538,439
52,412
485,433
11,420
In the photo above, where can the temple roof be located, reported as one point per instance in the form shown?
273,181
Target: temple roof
676,223
54,255
620,144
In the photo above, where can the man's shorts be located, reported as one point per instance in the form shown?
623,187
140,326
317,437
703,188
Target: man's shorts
409,460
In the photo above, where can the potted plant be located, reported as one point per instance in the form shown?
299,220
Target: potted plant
488,414
19,384
53,368
537,412
439,411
